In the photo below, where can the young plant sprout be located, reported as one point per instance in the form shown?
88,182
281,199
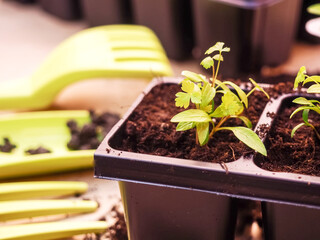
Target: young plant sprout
205,116
314,9
307,105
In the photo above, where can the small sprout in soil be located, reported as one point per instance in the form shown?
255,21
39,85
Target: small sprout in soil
39,150
7,145
205,116
307,104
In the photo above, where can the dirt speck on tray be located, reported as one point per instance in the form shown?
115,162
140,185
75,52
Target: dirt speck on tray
7,145
38,150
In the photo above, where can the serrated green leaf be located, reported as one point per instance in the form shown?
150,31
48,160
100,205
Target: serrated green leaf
230,106
258,87
217,47
302,101
300,76
183,126
196,97
182,99
296,128
241,93
192,115
203,132
218,57
207,62
208,93
248,137
193,76
315,88
187,86
314,9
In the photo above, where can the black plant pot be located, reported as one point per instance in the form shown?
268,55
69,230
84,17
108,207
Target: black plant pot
294,220
261,32
64,9
161,195
171,20
103,12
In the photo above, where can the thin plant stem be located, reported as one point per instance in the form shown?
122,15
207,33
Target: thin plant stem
218,66
222,121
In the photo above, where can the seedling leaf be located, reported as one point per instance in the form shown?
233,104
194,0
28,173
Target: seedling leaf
208,93
183,126
187,86
193,76
315,88
182,99
302,101
240,92
256,85
296,128
244,119
314,9
300,76
203,132
207,62
230,105
315,79
192,115
217,47
248,137
218,57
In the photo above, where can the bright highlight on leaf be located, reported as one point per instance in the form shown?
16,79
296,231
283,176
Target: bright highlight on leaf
207,118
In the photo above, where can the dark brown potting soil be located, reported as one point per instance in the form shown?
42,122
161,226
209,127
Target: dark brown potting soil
149,130
300,154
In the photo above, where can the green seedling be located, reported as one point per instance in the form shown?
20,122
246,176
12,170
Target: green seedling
314,9
207,118
307,104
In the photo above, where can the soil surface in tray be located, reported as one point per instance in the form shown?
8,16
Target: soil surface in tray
300,154
149,130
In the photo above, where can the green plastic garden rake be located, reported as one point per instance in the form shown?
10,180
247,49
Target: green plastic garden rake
113,51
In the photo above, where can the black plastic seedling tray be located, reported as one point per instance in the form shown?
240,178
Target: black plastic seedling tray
243,178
